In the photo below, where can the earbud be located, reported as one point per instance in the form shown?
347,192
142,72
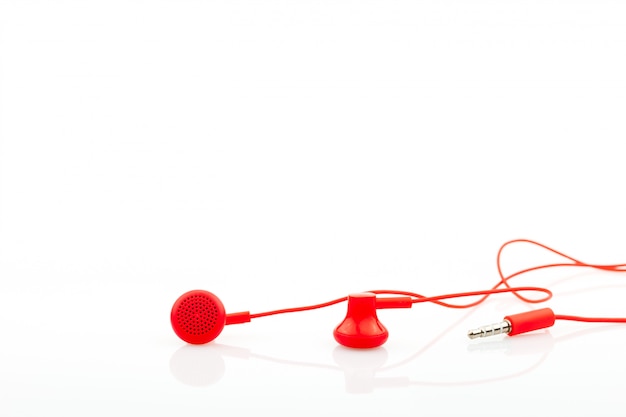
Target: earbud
198,317
361,327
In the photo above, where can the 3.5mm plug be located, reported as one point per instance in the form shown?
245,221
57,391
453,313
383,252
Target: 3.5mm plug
517,324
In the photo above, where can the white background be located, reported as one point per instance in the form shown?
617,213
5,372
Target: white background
281,153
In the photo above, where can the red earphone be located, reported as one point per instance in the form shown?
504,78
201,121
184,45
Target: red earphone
198,316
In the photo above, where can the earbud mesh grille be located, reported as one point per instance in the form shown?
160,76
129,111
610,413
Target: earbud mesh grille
197,314
198,317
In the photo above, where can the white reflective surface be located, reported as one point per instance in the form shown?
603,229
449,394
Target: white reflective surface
287,153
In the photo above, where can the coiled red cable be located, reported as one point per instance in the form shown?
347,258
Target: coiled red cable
502,286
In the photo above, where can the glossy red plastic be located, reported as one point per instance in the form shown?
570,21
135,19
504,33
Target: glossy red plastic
198,317
238,318
531,320
361,328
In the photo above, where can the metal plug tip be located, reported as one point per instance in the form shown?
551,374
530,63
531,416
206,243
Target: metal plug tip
504,327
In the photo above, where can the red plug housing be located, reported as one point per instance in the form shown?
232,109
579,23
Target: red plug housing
531,320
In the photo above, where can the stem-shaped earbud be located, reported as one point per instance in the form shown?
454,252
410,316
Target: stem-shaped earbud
361,327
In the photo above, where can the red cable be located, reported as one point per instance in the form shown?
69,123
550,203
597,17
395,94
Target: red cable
296,309
591,319
504,281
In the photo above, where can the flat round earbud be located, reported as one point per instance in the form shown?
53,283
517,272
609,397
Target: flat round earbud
361,327
198,317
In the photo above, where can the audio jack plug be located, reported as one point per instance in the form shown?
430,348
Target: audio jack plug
517,324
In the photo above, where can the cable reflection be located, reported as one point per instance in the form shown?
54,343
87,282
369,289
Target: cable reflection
205,365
